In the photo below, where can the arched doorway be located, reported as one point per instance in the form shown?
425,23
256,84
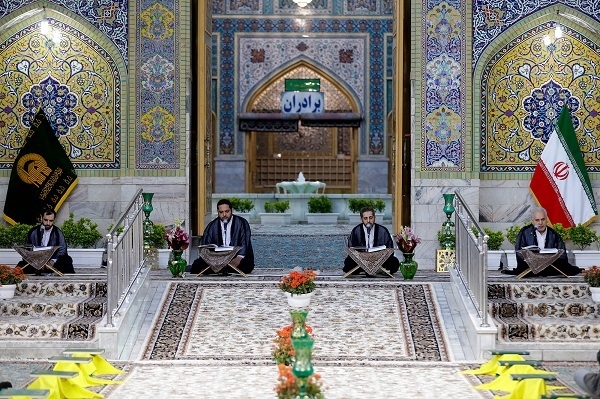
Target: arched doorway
325,153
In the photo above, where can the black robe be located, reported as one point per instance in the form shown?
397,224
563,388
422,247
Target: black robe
240,237
62,261
381,237
527,237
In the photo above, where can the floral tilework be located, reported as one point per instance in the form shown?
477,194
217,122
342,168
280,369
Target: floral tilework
491,18
443,72
244,6
365,74
523,89
80,91
345,56
158,134
361,7
110,17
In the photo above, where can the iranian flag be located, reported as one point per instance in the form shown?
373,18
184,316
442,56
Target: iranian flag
560,183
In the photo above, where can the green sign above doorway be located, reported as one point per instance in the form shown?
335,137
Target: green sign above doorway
303,85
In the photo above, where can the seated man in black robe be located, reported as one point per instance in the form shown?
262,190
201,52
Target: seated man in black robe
230,230
370,234
48,235
539,234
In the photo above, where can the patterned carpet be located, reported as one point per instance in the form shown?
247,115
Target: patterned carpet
352,323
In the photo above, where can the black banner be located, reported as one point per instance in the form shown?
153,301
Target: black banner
42,175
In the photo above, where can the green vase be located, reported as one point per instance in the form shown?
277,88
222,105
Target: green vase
299,324
302,367
148,225
408,267
177,264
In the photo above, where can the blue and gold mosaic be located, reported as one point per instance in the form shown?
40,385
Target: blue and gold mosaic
75,81
364,63
523,89
110,16
159,132
444,87
491,17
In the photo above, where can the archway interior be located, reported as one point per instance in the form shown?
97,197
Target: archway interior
326,154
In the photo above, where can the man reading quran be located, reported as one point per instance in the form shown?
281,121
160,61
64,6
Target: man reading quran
228,230
539,235
48,235
369,234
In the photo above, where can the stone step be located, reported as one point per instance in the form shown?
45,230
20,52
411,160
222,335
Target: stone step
33,288
41,307
523,291
54,328
513,329
563,308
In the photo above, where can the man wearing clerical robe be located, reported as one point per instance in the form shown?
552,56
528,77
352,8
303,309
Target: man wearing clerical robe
370,234
228,229
539,234
48,235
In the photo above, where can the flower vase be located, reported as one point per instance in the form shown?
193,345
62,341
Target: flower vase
177,264
298,301
298,324
7,291
408,267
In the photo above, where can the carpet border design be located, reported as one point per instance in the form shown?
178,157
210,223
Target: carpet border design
184,298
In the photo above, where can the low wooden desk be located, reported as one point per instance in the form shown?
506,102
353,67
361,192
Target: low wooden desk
218,260
370,262
39,259
538,262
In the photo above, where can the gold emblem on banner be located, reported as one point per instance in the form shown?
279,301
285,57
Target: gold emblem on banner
33,169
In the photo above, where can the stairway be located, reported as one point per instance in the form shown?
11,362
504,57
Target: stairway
558,319
53,313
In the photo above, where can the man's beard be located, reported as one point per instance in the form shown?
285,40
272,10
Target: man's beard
225,220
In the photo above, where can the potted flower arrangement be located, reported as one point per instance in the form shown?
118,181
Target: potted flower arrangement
592,277
287,386
320,211
9,278
407,241
298,286
178,241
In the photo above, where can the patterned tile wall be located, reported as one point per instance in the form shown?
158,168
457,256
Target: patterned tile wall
364,72
72,74
491,18
524,87
160,130
443,79
110,17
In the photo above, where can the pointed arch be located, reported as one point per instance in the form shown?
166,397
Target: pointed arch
91,69
312,65
502,79
324,153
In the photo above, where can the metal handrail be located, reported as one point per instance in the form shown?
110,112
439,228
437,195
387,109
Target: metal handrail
471,257
125,260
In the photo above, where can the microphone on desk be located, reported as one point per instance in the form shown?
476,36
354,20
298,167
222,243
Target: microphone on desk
368,226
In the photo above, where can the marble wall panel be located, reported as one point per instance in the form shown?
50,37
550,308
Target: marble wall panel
373,176
230,176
